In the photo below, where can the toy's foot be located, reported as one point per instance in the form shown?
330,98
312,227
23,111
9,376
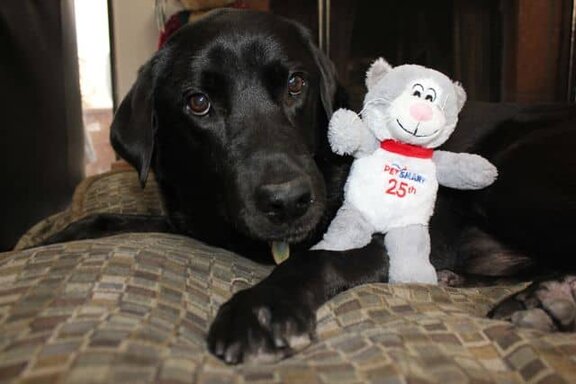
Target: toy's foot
548,305
413,273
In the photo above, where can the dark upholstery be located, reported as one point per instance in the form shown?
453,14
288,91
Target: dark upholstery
41,139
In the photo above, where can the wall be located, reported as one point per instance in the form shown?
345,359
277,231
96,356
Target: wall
537,49
135,39
135,36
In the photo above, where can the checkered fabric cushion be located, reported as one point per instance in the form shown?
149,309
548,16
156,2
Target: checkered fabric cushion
135,308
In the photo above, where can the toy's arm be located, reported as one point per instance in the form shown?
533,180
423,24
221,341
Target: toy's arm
348,135
463,170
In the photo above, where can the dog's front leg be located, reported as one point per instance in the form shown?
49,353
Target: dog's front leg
277,316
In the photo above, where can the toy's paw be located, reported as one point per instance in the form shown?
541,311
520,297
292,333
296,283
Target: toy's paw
481,172
422,273
257,326
343,133
548,305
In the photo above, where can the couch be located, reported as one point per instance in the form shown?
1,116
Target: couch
135,308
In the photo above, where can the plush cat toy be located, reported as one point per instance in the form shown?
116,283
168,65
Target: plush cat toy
408,111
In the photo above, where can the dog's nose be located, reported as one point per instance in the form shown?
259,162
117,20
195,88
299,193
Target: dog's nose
284,201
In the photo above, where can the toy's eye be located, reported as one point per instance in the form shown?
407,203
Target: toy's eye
296,83
430,95
199,104
417,90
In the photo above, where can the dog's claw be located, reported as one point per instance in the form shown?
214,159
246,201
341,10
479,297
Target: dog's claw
278,336
232,355
254,326
219,349
264,316
548,305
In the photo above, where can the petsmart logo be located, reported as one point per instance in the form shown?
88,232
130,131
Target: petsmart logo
395,169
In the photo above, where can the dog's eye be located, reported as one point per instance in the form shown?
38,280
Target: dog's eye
199,104
295,84
417,93
429,98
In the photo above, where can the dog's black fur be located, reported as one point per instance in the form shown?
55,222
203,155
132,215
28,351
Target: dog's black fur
229,178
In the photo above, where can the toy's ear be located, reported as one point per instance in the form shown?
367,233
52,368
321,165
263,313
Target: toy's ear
377,70
460,95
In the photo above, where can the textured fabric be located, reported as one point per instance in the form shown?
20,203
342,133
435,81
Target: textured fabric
135,308
112,192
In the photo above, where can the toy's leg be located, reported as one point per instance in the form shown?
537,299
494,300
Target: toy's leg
409,251
348,230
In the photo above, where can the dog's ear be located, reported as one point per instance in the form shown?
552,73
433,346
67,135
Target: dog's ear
133,129
328,77
328,82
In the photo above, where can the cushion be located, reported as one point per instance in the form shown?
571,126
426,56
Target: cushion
137,307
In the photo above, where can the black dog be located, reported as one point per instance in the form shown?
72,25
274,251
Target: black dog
232,115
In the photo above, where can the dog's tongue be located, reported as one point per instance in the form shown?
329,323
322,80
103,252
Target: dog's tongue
280,251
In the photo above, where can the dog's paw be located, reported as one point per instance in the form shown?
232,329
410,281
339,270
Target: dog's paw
548,305
447,278
258,326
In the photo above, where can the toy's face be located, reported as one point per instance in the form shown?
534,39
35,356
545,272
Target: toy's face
414,105
415,116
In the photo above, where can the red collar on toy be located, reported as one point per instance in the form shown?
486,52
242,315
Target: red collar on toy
406,149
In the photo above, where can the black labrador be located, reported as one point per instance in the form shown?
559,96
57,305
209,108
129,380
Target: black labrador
231,115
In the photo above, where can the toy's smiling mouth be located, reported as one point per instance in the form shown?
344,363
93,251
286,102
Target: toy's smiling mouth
415,133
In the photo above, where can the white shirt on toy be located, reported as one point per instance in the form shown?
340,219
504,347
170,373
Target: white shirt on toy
396,175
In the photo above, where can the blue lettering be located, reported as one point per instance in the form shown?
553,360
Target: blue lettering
412,176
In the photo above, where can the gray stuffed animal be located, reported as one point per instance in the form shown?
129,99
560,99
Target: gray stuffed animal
393,182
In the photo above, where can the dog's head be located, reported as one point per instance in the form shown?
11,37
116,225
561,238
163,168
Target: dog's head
231,115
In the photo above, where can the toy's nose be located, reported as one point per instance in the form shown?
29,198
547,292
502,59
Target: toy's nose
421,111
